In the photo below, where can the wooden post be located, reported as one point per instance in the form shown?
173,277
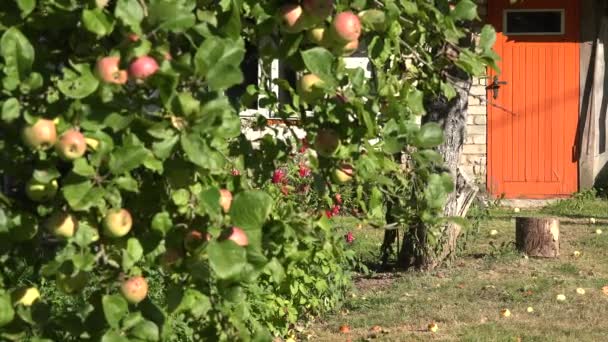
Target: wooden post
537,236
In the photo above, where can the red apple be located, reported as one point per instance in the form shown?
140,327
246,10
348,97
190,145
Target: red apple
109,72
225,199
343,174
41,135
133,37
292,18
72,145
309,88
318,10
171,258
346,27
143,67
62,225
41,192
194,239
117,223
326,142
238,236
134,289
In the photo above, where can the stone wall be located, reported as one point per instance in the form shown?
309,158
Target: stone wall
474,153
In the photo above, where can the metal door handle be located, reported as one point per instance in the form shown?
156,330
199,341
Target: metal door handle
495,86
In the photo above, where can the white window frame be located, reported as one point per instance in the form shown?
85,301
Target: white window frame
561,11
351,62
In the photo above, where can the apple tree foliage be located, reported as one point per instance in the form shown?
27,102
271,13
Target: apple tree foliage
160,129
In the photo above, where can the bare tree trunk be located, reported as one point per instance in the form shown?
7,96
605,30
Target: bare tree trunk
452,116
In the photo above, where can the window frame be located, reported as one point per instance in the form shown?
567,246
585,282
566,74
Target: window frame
561,11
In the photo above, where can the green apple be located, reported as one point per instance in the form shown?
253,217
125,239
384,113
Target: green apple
134,289
26,296
62,225
309,88
41,192
117,223
40,136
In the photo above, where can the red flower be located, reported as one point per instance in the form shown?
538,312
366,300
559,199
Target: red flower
328,213
349,237
236,172
304,171
338,198
278,176
335,210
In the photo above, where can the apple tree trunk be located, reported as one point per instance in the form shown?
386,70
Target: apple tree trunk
452,116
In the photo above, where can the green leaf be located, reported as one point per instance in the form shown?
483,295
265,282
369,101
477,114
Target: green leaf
249,211
112,336
132,254
130,13
163,149
127,183
146,330
18,54
26,7
115,307
487,38
430,135
415,102
219,61
81,195
448,91
200,153
320,61
465,10
176,16
85,235
78,83
11,110
98,22
226,258
470,63
162,223
127,158
46,175
7,314
82,168
194,302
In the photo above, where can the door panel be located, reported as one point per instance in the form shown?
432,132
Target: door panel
532,124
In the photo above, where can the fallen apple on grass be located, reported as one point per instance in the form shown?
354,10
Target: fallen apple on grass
432,327
505,313
134,289
237,235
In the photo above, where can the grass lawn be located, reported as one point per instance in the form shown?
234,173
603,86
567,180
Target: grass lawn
465,299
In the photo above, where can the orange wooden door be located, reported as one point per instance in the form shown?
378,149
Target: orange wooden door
532,121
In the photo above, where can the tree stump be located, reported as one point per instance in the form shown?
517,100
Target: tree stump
537,236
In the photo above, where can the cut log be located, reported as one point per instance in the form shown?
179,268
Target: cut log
537,236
